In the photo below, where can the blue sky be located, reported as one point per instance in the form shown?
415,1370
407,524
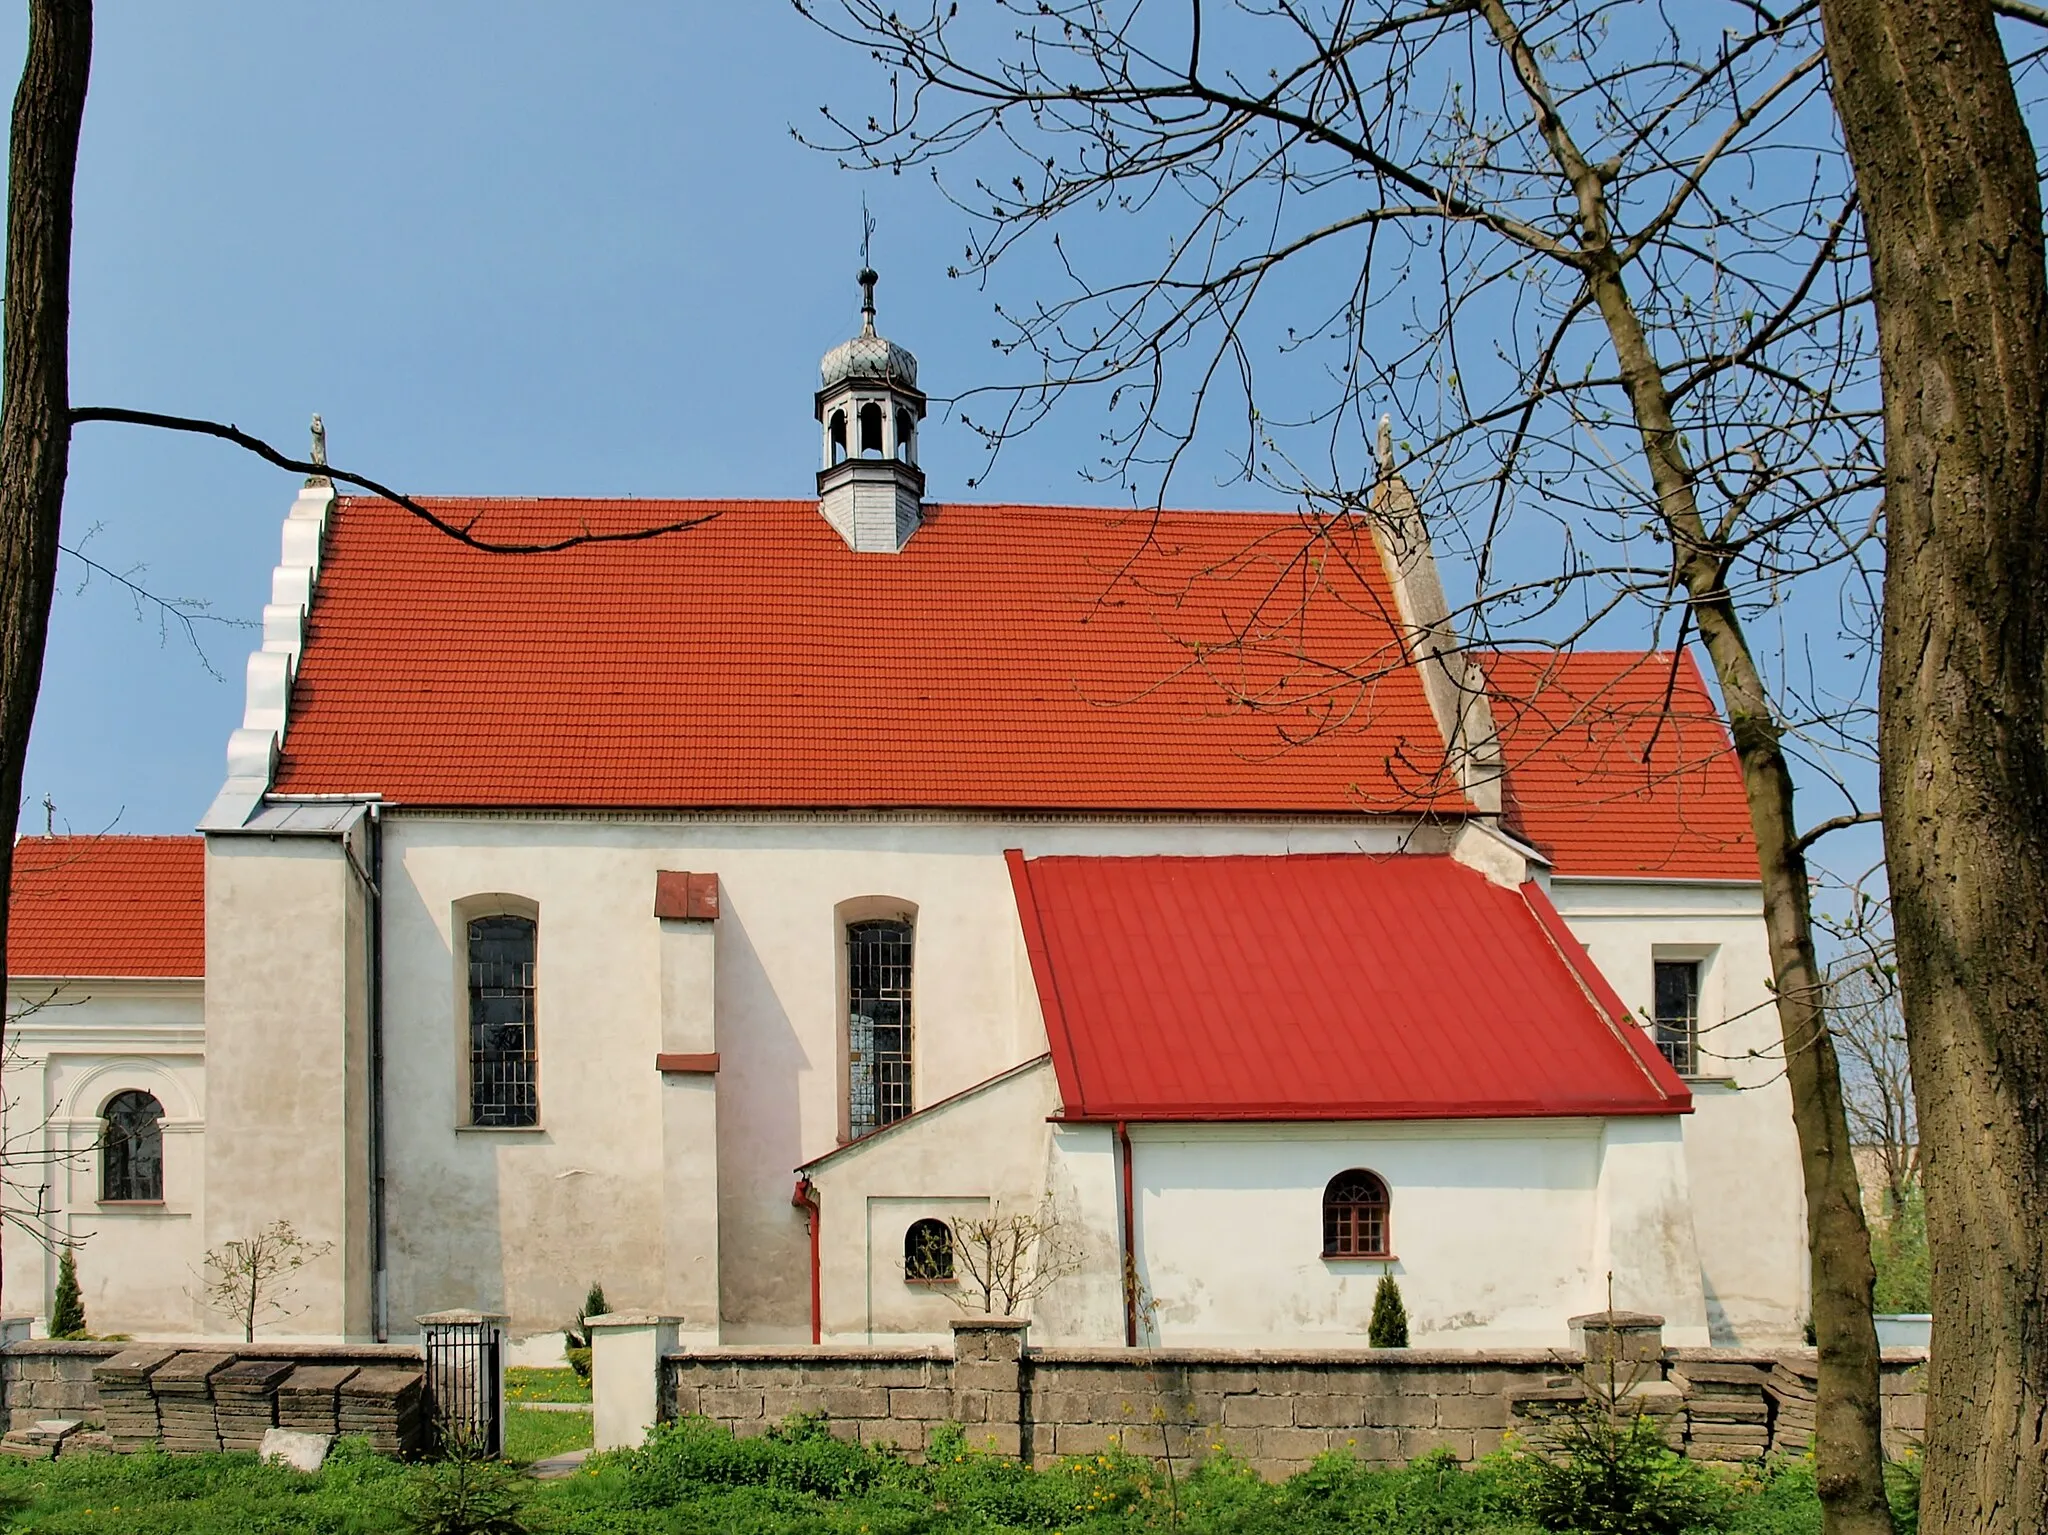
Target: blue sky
504,248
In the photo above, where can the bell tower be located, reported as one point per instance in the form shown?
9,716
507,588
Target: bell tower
869,406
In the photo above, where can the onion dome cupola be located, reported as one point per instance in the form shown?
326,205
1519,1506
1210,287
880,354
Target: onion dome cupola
869,485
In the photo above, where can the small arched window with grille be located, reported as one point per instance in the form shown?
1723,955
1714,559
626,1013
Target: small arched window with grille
877,1024
928,1252
504,1039
132,1149
1355,1216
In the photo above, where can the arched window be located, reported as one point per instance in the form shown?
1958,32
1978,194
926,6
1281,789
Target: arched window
906,437
504,1043
877,1024
132,1148
928,1252
1355,1216
838,436
871,428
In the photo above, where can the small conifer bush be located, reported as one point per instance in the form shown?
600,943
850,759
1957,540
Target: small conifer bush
577,1341
67,1310
1389,1328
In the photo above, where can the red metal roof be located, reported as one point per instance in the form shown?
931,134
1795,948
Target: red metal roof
1322,986
1619,764
1012,657
107,906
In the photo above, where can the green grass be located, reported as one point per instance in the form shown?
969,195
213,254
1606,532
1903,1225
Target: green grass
532,1436
557,1385
694,1478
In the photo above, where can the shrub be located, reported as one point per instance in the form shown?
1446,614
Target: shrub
1612,1474
464,1495
576,1338
1389,1328
67,1310
1433,1495
681,1458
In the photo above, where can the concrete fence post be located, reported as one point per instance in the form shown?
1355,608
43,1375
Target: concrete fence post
988,1381
1627,1337
626,1350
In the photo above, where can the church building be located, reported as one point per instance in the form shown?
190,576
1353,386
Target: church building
746,917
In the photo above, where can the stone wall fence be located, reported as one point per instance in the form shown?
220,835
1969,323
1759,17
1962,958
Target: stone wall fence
1276,1409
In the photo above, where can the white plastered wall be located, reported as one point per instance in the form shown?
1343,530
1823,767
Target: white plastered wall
74,1045
288,1066
1741,1153
523,1221
1498,1228
981,1155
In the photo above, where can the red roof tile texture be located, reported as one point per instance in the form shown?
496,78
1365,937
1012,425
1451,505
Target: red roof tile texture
1322,987
1010,657
107,906
1619,765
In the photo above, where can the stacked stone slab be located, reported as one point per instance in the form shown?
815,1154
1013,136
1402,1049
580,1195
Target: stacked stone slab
1792,1386
245,1401
1727,1415
39,1441
307,1399
386,1407
126,1398
184,1403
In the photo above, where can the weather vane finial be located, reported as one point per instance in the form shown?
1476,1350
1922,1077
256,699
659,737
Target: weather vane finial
867,278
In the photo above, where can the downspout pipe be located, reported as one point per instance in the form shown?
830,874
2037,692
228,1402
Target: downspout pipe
806,1199
380,1272
1130,1236
372,879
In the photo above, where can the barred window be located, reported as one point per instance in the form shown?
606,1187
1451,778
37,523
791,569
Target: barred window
928,1252
877,1025
1678,1013
1355,1216
132,1148
504,1054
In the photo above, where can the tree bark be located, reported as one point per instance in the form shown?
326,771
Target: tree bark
35,390
1952,211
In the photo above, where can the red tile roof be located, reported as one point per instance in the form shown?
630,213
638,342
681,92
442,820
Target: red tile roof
1325,986
1619,764
1009,657
107,906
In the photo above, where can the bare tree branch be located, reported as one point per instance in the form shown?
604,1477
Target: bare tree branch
463,533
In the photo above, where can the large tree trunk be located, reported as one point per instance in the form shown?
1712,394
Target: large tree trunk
1945,171
35,399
